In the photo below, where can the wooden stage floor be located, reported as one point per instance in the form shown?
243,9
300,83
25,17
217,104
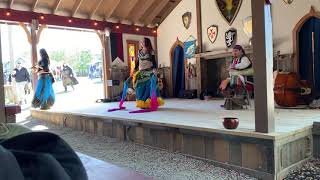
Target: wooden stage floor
199,115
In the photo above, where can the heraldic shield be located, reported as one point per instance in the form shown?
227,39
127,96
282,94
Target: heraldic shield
212,32
229,9
186,19
231,38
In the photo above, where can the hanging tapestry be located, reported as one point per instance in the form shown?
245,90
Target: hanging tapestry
189,49
229,9
116,45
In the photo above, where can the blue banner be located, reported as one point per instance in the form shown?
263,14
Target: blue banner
189,49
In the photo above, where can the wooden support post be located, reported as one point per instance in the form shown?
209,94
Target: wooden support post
199,39
199,26
2,96
156,47
34,57
33,36
106,62
263,66
105,42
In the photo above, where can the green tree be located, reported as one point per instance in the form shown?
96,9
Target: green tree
81,62
58,56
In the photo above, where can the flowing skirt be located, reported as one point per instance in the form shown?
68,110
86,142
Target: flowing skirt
145,84
44,96
68,81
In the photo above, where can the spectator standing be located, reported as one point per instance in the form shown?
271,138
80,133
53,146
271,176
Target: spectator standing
22,79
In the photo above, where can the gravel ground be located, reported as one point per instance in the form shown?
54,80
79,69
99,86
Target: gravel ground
151,162
309,171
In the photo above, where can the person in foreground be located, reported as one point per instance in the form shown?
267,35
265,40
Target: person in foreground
44,95
38,156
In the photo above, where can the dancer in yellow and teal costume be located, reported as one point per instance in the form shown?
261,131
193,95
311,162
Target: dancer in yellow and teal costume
144,81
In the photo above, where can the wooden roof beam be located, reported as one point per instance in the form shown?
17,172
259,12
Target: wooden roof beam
113,5
76,7
10,3
148,20
138,14
34,5
56,7
95,9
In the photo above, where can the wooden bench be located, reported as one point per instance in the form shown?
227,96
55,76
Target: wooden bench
100,170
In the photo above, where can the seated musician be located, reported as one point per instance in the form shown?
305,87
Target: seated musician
241,66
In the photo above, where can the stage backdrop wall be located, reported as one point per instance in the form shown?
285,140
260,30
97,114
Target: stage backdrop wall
285,18
172,27
211,16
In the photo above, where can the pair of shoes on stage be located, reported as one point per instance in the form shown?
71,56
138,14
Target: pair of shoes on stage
315,104
108,100
44,107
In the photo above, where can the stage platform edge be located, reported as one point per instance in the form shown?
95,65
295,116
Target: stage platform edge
264,157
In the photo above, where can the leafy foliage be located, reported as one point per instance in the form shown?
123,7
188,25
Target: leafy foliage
58,55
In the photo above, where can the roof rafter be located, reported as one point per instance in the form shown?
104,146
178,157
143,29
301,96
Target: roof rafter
56,7
138,14
148,20
113,5
10,3
34,5
166,11
129,8
76,7
95,9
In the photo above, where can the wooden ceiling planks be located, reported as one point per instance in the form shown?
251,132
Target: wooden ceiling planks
95,9
112,7
56,6
34,5
87,7
10,3
145,12
138,11
67,6
76,7
124,8
165,12
127,12
153,12
47,4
